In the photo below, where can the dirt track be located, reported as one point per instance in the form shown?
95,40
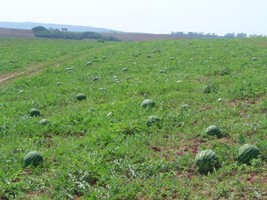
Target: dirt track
6,77
12,75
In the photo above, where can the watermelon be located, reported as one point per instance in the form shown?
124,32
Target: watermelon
207,89
44,122
68,69
185,107
81,97
153,119
34,112
213,130
220,100
207,161
147,103
33,158
247,153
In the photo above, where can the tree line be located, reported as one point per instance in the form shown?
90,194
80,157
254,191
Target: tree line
213,35
43,32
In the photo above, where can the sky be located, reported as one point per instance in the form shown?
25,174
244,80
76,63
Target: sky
149,16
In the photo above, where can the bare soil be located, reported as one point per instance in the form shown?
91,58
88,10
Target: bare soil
20,33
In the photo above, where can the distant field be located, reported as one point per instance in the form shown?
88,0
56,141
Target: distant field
17,54
106,146
4,32
140,36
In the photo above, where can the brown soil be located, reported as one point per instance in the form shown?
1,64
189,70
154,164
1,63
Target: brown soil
171,150
7,32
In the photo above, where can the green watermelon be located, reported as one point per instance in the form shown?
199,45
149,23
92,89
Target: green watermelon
206,89
89,63
147,103
44,122
81,97
153,119
33,158
207,161
247,153
34,112
213,130
185,107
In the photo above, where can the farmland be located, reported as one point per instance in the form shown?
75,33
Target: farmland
104,146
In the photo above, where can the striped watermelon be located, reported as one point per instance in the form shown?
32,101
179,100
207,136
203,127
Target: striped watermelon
153,119
33,158
247,153
147,103
44,122
81,97
34,112
207,161
213,130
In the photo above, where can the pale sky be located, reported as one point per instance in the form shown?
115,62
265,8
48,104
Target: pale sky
151,16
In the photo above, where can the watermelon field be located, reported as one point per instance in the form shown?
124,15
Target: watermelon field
173,119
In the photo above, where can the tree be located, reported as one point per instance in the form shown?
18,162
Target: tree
229,35
241,35
39,29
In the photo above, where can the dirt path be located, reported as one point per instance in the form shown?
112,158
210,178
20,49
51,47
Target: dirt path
32,70
6,77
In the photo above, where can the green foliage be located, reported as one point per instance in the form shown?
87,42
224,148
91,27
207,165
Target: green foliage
39,29
56,33
18,54
103,148
210,88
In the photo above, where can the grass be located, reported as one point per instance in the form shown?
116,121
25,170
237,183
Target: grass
102,148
